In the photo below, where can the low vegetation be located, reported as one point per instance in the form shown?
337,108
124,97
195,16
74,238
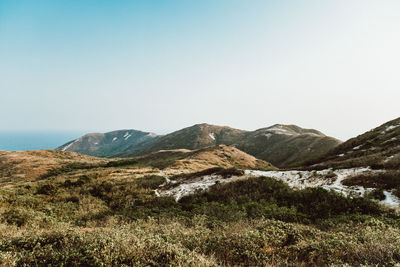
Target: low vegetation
387,180
93,217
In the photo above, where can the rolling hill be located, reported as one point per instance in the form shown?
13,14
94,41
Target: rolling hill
31,165
41,164
201,159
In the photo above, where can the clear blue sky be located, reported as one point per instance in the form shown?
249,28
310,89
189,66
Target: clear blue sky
163,65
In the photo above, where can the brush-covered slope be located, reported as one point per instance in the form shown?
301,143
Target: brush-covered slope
30,165
109,144
113,216
286,145
378,148
197,160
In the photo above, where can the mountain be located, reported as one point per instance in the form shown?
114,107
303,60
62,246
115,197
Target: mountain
377,148
282,145
194,137
109,144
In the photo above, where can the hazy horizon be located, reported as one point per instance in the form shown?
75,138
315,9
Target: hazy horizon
159,66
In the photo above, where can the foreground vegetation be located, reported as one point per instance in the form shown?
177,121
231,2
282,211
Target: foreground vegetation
86,218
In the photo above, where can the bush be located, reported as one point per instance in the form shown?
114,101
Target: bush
225,173
256,198
376,194
18,217
47,189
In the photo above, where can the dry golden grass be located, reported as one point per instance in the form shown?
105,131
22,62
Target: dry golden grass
220,156
30,165
187,161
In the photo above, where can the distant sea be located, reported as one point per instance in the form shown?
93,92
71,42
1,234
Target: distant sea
22,140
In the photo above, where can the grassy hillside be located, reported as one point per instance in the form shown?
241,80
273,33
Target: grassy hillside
378,148
201,159
31,165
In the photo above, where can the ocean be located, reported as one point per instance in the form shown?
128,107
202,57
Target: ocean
23,140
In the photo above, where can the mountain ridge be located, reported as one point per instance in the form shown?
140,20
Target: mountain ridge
109,143
282,145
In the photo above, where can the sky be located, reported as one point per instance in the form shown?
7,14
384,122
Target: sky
96,66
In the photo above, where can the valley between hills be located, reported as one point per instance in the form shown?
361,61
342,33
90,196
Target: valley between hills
205,195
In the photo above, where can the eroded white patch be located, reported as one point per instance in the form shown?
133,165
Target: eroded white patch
212,136
390,200
69,145
388,158
196,184
304,179
280,130
390,127
268,135
328,179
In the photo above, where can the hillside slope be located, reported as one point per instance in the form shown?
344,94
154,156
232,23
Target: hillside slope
286,145
108,144
378,148
30,165
183,160
194,137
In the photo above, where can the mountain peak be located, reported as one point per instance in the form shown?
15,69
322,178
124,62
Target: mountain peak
291,129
